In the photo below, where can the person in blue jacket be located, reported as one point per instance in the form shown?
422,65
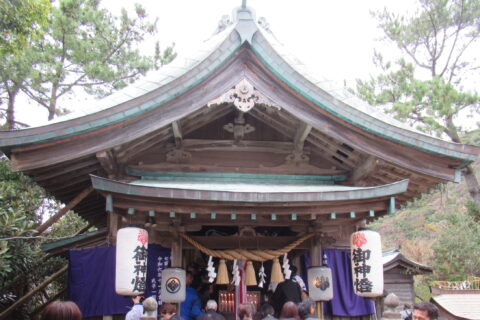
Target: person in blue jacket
192,306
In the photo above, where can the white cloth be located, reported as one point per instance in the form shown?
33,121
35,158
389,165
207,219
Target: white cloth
300,282
135,313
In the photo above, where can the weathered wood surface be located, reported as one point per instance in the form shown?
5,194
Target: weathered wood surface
291,101
332,145
306,111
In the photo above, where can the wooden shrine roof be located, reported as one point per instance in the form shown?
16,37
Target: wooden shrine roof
246,192
394,258
182,119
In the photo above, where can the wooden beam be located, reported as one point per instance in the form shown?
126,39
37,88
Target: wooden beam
301,135
325,208
191,145
274,122
202,117
331,149
365,169
82,195
23,299
133,148
108,162
64,170
177,133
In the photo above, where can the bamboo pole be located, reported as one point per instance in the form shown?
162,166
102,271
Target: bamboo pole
20,301
79,197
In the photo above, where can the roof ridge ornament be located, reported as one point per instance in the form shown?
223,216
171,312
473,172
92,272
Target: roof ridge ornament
244,18
244,97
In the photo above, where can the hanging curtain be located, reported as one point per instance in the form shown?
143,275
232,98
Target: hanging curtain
91,279
345,302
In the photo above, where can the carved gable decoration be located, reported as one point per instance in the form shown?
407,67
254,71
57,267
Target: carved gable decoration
244,97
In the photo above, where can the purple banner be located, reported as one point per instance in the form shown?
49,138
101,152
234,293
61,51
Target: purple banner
91,279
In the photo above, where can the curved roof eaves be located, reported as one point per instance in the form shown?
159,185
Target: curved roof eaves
153,79
175,78
337,100
246,192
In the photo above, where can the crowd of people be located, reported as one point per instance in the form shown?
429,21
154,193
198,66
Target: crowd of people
288,301
305,310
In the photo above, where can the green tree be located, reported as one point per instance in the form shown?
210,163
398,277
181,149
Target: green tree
23,206
20,21
19,198
14,70
457,250
426,87
87,47
84,47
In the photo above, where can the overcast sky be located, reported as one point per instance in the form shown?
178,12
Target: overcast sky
334,38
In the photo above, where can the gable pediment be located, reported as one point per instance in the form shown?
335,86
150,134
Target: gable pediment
243,106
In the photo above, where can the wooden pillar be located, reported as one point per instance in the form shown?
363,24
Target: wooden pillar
177,252
316,251
113,226
316,261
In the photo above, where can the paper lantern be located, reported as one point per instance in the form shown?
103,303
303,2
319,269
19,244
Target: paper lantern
367,265
131,261
250,279
320,286
173,285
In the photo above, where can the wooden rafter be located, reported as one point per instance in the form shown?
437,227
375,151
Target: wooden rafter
130,149
274,122
64,170
333,148
203,117
329,153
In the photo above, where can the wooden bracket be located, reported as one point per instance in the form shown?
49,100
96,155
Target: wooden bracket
108,162
301,135
365,169
177,133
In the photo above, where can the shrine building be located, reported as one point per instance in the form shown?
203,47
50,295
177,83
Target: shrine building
235,147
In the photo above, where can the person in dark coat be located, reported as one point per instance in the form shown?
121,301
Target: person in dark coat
211,312
287,290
